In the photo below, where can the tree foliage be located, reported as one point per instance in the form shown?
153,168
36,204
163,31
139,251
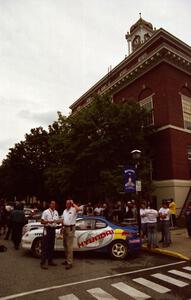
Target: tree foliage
79,154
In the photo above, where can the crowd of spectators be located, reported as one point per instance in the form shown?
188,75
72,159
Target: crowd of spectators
163,220
116,212
151,219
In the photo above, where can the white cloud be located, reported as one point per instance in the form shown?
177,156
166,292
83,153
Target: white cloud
44,118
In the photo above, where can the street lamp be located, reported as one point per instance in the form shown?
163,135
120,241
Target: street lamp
136,155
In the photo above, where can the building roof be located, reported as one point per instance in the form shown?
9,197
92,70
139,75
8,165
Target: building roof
141,22
162,46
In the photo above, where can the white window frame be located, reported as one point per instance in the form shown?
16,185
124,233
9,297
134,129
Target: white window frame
144,102
189,152
186,111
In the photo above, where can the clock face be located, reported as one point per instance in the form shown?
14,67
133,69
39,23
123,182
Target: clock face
136,40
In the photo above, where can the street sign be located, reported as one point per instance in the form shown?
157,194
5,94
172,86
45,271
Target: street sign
130,180
138,186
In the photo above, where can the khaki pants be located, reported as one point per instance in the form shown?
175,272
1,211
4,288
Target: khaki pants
68,237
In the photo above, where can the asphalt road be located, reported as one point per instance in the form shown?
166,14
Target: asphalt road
93,276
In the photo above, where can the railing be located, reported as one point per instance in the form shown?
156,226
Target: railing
188,199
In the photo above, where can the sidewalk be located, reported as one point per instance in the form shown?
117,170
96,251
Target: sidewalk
180,247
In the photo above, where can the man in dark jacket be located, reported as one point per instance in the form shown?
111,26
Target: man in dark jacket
17,220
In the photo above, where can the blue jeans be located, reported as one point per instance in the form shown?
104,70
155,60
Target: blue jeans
144,229
165,227
152,234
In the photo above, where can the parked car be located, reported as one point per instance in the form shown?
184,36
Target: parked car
31,226
32,213
92,234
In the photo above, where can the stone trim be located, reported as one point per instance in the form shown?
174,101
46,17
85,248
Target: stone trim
163,53
169,126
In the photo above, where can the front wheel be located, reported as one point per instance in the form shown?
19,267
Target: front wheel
37,248
118,250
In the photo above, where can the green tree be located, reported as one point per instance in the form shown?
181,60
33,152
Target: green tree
90,145
79,154
22,171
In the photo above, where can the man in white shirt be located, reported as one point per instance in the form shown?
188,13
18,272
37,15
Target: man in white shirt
144,221
50,219
164,213
69,222
98,210
152,215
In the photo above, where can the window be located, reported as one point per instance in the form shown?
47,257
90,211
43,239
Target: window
189,153
100,224
189,158
147,104
85,224
186,108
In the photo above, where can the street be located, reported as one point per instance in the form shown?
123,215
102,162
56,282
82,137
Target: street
93,276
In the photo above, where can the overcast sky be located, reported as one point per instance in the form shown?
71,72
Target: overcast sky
52,51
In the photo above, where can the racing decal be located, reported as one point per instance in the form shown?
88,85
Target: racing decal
134,241
98,240
126,233
120,234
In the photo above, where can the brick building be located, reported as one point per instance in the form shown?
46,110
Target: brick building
157,74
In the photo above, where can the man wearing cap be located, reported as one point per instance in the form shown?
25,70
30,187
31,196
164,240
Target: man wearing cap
69,222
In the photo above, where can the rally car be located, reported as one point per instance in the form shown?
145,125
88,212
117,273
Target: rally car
92,234
31,226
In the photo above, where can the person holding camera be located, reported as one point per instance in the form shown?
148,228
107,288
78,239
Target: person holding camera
69,222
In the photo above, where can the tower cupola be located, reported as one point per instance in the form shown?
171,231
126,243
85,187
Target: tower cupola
139,33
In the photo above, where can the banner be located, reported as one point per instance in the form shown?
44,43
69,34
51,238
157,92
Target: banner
130,180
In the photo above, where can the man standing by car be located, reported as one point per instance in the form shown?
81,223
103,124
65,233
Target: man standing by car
144,221
152,215
69,222
50,219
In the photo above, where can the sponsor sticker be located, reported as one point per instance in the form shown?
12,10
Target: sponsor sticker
134,241
98,239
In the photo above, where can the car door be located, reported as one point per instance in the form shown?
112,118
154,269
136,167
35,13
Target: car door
59,239
92,234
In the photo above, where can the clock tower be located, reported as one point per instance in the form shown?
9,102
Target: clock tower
139,33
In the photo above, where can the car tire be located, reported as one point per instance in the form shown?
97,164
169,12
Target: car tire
37,248
118,250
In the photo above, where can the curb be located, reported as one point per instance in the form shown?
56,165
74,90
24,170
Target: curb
166,252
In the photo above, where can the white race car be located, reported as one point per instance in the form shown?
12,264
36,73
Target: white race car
92,233
31,226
